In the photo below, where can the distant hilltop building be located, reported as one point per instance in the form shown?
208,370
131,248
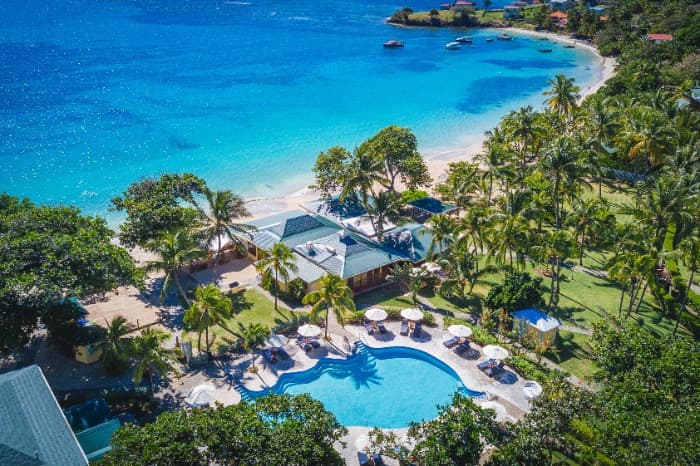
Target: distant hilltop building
659,38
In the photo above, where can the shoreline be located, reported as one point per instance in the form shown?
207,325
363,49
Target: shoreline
438,159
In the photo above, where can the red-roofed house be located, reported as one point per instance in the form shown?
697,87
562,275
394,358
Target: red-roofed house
658,38
558,15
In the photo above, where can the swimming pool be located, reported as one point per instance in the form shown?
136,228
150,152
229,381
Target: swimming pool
377,387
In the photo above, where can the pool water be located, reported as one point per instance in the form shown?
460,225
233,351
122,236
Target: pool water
377,387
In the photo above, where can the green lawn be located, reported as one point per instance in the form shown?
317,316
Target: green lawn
573,354
249,307
389,296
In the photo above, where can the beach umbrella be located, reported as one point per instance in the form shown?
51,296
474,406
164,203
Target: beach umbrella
495,352
501,413
309,330
461,331
201,395
532,389
376,314
276,341
412,314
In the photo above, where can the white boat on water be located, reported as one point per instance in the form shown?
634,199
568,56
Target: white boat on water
453,45
464,39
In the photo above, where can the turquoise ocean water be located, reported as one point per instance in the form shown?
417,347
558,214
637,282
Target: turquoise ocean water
95,94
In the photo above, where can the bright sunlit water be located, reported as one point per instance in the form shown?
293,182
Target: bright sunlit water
387,387
95,94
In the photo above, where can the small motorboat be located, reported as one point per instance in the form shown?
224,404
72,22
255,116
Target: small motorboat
453,45
464,39
545,50
393,44
569,46
504,36
490,39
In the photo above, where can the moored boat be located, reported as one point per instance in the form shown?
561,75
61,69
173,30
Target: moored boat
453,45
504,36
569,46
490,39
393,44
544,50
464,39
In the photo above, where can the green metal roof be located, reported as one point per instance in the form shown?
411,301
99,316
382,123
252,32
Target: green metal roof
411,240
38,433
432,205
96,441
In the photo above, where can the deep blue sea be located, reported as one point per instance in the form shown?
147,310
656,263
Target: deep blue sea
95,94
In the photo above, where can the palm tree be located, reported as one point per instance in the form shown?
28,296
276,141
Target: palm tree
554,247
223,208
409,278
210,307
333,296
690,255
150,355
587,215
175,250
462,270
384,208
562,95
364,172
601,123
443,228
280,262
561,165
254,336
647,134
114,357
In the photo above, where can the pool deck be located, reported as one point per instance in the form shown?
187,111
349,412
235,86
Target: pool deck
506,391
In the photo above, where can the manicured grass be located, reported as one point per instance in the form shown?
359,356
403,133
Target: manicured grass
388,296
573,353
249,307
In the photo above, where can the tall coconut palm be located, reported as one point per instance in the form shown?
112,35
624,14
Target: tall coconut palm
647,135
364,172
210,307
561,166
219,216
562,96
114,357
254,336
279,262
174,250
587,215
410,279
333,296
690,256
554,247
384,209
443,229
151,357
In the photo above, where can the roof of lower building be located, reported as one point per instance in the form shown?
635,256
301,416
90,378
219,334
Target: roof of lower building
538,319
411,240
432,205
293,228
38,433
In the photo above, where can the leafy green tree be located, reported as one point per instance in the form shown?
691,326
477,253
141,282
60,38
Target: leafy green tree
397,149
276,429
330,170
518,291
220,213
150,355
443,229
690,256
115,357
365,172
462,183
385,209
174,251
50,252
461,267
254,336
210,307
156,206
333,296
278,262
455,437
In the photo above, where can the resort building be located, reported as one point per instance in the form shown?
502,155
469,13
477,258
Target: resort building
660,38
33,429
535,326
93,425
561,5
339,238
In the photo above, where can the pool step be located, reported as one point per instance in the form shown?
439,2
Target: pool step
365,351
245,396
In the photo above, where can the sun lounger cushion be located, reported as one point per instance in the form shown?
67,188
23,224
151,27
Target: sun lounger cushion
282,353
369,328
382,328
314,343
362,458
450,341
462,348
267,354
494,370
404,328
486,364
417,331
378,460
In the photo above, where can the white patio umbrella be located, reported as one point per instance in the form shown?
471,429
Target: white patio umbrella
458,330
276,341
201,395
309,330
495,352
412,314
376,314
532,389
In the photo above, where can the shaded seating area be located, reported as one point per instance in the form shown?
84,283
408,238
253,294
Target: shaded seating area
303,344
462,347
269,355
491,367
450,342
